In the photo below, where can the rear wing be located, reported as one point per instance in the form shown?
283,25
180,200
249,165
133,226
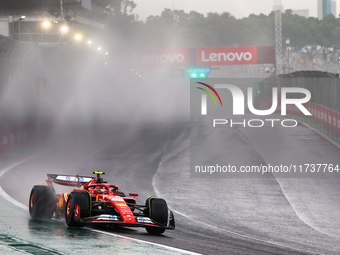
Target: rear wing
69,180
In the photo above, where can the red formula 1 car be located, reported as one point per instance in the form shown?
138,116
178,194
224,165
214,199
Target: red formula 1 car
95,201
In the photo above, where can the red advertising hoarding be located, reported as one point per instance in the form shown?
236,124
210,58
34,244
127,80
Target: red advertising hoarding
226,56
163,57
207,56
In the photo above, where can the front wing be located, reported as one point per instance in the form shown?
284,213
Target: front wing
141,221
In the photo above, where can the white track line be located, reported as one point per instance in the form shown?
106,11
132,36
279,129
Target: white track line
10,167
24,207
147,242
241,235
217,228
12,200
3,193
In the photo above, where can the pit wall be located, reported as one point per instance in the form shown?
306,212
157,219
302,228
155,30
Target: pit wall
324,104
16,137
323,119
12,138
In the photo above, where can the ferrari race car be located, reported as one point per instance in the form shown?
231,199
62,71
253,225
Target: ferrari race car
94,201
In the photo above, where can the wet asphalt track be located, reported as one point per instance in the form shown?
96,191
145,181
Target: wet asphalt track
213,216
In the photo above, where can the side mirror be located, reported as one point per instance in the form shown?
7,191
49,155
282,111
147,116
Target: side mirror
133,194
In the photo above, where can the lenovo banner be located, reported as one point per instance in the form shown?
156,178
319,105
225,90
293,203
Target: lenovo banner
164,57
207,56
235,55
227,56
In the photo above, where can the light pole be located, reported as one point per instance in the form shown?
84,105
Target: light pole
288,51
278,37
45,25
20,19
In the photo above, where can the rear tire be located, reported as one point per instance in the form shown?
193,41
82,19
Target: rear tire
157,210
77,207
42,202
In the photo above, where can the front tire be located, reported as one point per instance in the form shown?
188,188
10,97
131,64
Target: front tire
77,207
42,202
155,230
157,210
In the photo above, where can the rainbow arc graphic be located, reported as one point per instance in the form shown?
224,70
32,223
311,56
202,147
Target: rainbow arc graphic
209,93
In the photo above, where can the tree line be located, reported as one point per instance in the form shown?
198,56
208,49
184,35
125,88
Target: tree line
176,28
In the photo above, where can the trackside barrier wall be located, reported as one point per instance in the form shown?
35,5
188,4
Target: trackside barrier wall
34,79
17,58
324,104
15,138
